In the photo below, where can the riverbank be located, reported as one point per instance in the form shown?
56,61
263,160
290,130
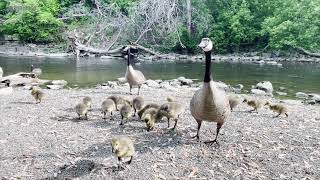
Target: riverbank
55,51
47,141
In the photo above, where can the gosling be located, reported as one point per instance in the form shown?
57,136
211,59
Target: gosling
126,112
88,102
150,117
234,101
119,101
122,147
108,106
137,103
146,107
171,109
82,110
278,108
37,94
256,104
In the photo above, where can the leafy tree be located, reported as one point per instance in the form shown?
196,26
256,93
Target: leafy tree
33,20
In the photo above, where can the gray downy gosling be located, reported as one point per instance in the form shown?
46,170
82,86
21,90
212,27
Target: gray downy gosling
122,147
37,94
150,117
256,104
278,108
108,106
82,110
88,102
172,110
137,103
126,112
151,105
234,101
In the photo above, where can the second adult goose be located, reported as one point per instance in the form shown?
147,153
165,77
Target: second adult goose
133,77
209,103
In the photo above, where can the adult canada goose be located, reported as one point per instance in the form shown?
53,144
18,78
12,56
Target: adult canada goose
133,77
209,103
36,71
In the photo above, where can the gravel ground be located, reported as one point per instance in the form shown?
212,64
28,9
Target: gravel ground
46,141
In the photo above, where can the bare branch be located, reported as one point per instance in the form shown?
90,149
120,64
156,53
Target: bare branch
145,31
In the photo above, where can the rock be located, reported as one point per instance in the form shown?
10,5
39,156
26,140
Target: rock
165,83
272,63
258,92
1,72
175,83
27,87
106,57
122,79
6,91
223,86
55,87
59,82
265,86
152,83
110,83
158,81
169,87
301,95
260,62
239,86
315,97
281,93
311,102
185,81
282,88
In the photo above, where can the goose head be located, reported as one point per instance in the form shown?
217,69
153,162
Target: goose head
206,44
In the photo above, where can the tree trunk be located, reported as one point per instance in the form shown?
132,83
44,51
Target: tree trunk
306,52
189,23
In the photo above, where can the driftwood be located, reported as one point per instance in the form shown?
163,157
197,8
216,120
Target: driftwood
306,52
79,47
24,78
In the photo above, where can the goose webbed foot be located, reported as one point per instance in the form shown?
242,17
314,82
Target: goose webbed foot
211,142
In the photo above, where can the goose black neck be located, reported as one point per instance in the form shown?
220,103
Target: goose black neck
207,75
128,59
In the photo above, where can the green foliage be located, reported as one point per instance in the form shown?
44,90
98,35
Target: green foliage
33,20
294,23
122,4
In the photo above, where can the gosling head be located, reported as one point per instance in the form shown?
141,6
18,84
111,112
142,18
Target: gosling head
206,44
150,125
268,103
245,100
115,145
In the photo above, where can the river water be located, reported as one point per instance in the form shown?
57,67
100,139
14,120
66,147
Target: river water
304,77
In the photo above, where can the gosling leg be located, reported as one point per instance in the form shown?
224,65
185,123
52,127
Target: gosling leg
215,140
129,162
175,124
121,123
199,125
286,114
277,115
130,89
168,122
139,86
86,115
119,163
104,115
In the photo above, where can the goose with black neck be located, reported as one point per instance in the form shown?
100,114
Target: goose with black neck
209,103
133,77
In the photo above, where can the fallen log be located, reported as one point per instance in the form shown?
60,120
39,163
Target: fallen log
306,52
23,78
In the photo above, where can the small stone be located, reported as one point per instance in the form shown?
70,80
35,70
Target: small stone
122,79
301,95
258,92
265,86
59,82
281,93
